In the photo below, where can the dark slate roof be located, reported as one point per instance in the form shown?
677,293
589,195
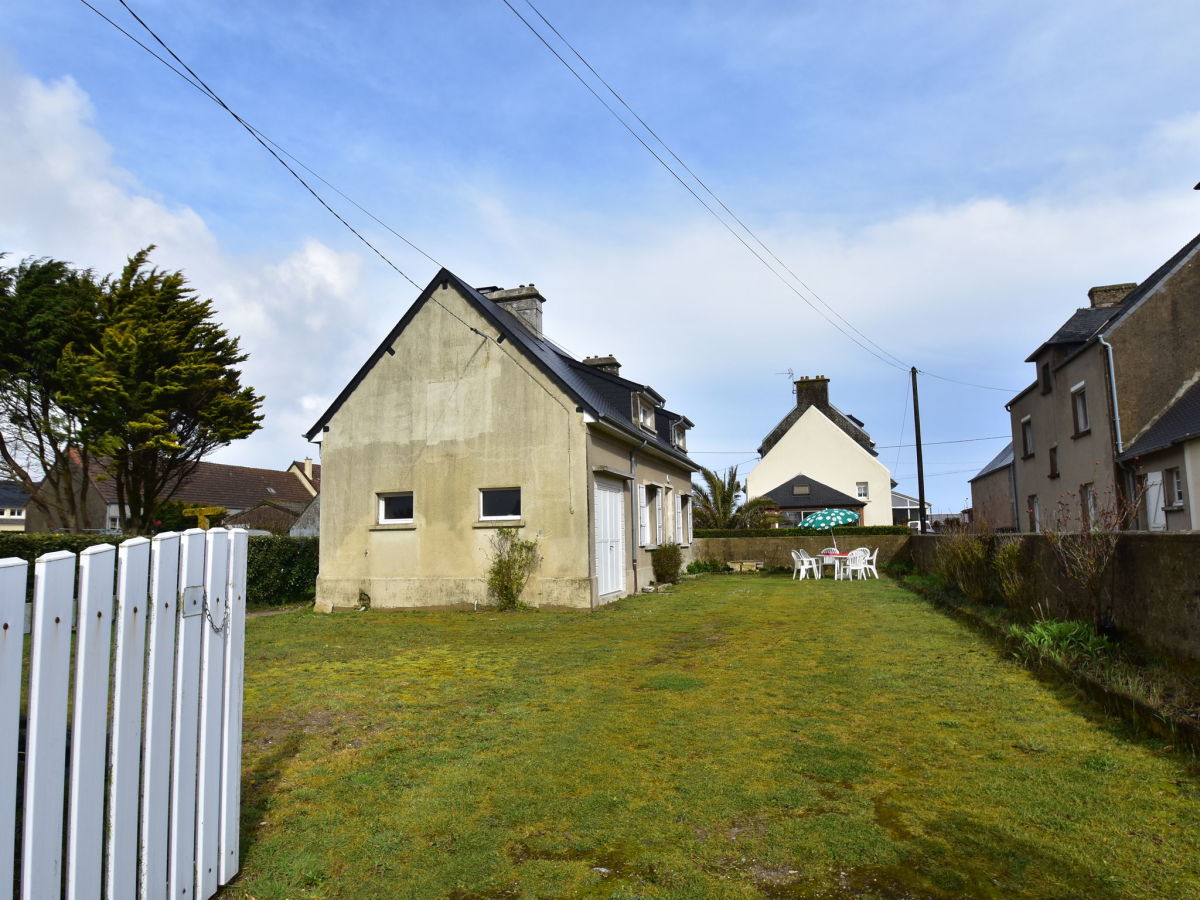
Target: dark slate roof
835,415
12,495
1181,422
1083,325
819,495
234,487
1087,323
1002,459
609,398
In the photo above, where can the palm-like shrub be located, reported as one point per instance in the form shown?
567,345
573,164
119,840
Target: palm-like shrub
720,502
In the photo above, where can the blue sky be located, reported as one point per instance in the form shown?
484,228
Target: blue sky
950,177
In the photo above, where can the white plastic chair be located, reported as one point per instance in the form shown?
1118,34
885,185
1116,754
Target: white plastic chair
855,562
803,564
870,565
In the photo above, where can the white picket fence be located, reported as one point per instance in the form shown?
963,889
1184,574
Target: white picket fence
131,748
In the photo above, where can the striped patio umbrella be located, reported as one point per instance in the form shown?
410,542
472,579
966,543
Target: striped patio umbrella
830,518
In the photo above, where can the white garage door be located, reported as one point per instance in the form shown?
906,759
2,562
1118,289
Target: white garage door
610,535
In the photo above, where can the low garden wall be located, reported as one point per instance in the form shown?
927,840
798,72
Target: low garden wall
1150,591
777,551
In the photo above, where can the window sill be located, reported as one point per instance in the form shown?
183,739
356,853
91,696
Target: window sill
395,526
1028,456
1053,475
499,523
1080,434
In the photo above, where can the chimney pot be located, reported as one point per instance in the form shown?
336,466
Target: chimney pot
607,364
524,303
812,391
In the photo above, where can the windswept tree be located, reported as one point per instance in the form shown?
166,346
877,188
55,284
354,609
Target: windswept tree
720,502
161,383
46,307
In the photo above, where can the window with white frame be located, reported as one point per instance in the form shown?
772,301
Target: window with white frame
685,519
643,411
680,435
500,503
1173,479
395,508
864,489
650,515
1027,436
1079,410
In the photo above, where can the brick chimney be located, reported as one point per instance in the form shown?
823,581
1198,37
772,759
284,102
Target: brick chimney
607,364
1109,294
524,302
812,391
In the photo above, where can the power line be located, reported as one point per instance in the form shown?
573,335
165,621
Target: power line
198,83
934,443
892,359
705,187
690,190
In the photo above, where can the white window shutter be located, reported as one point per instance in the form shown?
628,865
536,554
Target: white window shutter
643,517
658,517
678,519
690,527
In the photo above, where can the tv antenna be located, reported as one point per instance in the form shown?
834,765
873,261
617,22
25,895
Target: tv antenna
791,377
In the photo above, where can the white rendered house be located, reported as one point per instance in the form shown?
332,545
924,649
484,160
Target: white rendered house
818,440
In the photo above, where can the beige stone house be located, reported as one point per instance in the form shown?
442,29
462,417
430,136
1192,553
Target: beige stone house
816,441
467,418
992,494
1108,420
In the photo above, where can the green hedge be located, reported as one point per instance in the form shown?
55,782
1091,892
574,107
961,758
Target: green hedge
279,571
799,532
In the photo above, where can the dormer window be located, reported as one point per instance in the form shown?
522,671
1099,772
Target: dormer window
643,411
679,435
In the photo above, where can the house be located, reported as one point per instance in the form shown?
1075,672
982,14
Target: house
466,419
992,494
236,488
1104,429
266,517
907,509
819,440
800,497
1165,461
13,501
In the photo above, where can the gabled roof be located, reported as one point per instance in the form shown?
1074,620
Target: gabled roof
606,397
297,466
1181,422
819,495
234,487
12,495
1002,459
843,421
1086,324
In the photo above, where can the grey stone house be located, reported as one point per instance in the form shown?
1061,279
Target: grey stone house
1107,423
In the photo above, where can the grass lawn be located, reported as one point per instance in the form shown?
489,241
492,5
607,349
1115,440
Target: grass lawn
742,736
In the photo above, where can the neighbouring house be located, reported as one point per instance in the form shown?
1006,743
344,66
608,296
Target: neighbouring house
236,488
466,419
992,494
308,523
819,440
267,517
1084,440
799,498
13,502
907,509
1165,461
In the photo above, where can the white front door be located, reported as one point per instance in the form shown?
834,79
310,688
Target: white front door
1154,502
610,536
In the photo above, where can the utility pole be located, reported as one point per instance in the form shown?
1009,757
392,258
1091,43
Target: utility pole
920,459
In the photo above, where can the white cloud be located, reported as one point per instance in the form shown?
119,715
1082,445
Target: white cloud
965,289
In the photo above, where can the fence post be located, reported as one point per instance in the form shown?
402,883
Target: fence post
124,761
160,672
46,745
13,575
182,872
212,697
231,763
89,722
